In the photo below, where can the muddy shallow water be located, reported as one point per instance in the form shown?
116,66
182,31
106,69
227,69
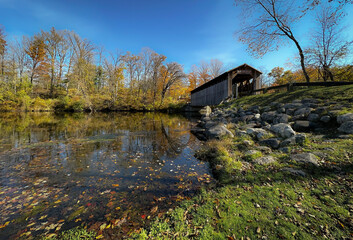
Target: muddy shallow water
109,172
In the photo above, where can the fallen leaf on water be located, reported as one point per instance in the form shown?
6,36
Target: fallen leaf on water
102,227
51,235
4,225
154,209
115,185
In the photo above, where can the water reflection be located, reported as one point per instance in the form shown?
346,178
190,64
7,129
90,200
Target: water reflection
114,169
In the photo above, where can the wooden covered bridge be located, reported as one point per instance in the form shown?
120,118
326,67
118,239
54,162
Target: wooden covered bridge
239,81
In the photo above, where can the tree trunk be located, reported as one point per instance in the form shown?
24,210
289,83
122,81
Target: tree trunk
302,59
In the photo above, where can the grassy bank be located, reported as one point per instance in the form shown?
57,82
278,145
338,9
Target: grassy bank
282,200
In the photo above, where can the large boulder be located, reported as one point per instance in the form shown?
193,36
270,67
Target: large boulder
217,132
346,127
345,118
283,130
307,158
206,110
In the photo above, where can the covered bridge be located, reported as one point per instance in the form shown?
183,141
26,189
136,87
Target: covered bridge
234,83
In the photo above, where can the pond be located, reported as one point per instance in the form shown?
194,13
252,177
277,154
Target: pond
110,172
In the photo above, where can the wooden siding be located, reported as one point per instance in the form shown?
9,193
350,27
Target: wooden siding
212,95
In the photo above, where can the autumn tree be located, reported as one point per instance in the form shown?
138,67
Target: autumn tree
3,45
171,74
55,47
269,23
193,78
330,46
35,49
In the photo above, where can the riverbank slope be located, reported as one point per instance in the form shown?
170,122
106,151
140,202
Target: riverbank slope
284,165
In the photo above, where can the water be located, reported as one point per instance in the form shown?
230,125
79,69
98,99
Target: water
109,172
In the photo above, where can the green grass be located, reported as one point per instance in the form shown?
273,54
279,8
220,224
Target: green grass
341,94
72,234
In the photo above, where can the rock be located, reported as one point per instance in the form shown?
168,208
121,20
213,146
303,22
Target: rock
320,110
290,111
272,142
294,105
325,119
309,100
265,160
257,116
283,130
305,158
346,127
240,133
297,139
209,124
345,118
264,149
304,126
218,132
300,138
313,117
281,118
252,154
248,143
302,112
206,110
285,149
259,133
294,171
268,116
281,110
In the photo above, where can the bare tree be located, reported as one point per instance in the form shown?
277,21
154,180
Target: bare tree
204,72
216,68
269,23
329,45
20,56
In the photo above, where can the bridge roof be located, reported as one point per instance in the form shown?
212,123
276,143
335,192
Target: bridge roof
220,78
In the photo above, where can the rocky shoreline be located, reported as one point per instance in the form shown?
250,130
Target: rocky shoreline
276,127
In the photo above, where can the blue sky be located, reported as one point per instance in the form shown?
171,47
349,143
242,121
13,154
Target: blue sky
186,31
